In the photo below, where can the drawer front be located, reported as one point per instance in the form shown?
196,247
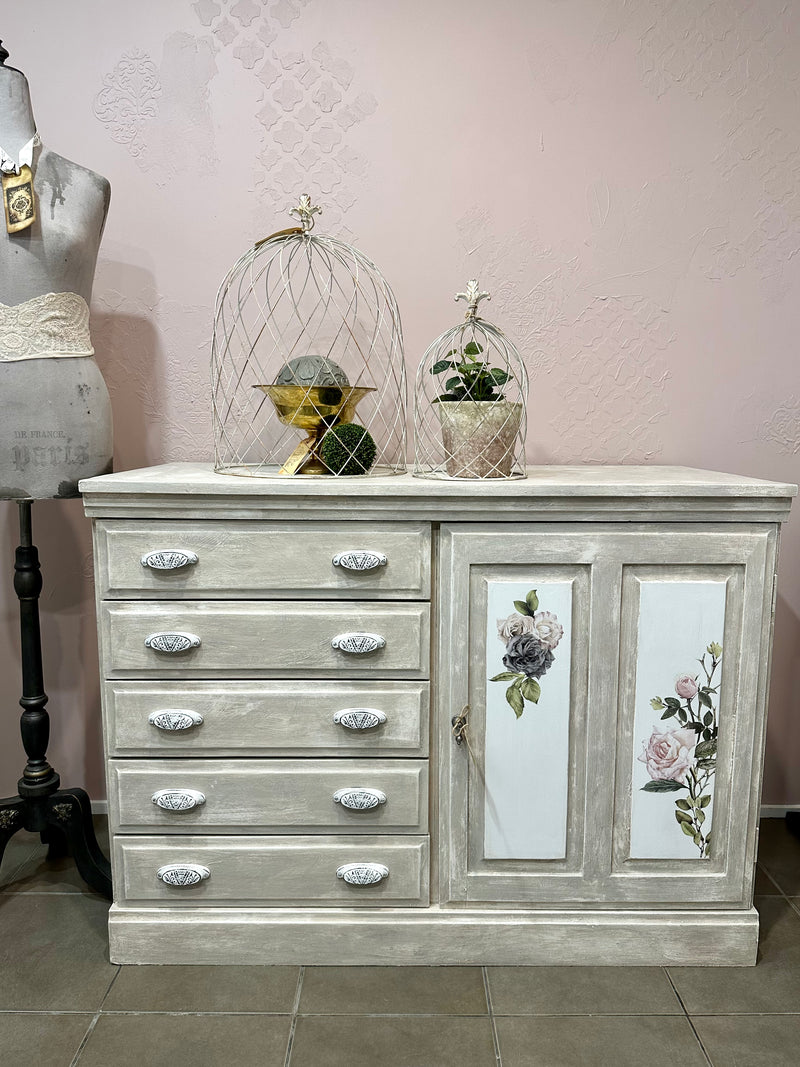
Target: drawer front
261,639
280,796
285,871
246,559
276,718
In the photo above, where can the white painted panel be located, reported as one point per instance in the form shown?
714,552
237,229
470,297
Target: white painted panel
526,758
677,622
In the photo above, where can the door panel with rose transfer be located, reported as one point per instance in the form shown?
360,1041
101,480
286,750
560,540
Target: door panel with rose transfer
603,679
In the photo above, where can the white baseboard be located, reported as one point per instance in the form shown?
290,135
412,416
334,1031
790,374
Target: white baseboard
777,811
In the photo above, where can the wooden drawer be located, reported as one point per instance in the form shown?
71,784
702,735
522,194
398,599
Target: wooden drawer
257,559
284,871
252,639
260,718
280,796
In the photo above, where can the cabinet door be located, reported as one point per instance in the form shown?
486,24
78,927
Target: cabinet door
614,679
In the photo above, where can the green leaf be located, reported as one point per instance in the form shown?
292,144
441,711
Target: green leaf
706,764
504,676
701,817
452,383
687,829
704,698
708,718
683,818
531,690
500,376
514,698
532,601
522,607
662,785
684,805
671,702
668,713
442,365
705,801
705,748
472,348
682,715
698,840
657,704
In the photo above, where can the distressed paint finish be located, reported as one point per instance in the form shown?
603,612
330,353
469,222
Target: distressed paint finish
276,834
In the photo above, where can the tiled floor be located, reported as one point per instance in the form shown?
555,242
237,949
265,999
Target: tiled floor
63,1004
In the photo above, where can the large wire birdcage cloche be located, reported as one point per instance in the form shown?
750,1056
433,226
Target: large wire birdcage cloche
470,401
308,375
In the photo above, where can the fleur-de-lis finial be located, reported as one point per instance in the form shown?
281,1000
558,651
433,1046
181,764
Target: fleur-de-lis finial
305,211
473,297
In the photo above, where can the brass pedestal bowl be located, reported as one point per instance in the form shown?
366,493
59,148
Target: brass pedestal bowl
313,408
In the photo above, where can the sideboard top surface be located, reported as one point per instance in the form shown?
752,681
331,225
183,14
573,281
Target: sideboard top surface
548,492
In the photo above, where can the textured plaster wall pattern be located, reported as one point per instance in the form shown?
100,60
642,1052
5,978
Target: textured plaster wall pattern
622,175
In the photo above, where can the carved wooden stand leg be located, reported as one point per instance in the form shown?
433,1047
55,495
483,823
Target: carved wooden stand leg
62,817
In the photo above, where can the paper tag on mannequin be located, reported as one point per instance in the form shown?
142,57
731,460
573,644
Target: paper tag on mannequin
18,200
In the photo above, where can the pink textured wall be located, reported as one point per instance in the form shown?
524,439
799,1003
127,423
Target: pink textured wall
623,175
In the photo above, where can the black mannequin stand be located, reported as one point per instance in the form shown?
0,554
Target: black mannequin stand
62,817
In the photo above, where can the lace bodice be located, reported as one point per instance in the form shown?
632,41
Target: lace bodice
52,325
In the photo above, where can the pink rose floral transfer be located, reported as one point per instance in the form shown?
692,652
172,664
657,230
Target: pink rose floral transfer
529,636
685,755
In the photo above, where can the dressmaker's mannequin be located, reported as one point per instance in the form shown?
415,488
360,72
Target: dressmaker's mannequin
56,415
55,427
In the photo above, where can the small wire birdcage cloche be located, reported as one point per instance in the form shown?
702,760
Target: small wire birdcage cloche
470,401
308,342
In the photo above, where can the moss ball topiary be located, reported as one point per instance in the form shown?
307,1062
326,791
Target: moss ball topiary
348,449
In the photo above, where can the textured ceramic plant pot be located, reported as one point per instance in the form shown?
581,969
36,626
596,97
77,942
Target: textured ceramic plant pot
479,437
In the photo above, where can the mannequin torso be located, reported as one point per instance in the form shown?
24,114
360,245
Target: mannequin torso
56,425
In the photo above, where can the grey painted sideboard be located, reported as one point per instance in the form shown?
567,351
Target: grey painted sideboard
396,720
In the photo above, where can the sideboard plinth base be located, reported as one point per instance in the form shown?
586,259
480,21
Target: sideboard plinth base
435,937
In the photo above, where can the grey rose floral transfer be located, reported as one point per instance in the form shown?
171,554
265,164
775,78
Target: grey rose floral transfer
529,636
685,755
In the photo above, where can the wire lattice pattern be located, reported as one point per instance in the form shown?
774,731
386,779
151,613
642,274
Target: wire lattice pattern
470,402
303,294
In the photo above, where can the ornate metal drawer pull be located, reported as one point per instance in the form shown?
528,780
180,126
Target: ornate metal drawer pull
174,720
178,799
358,643
359,559
173,641
363,873
183,874
359,718
359,799
168,559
